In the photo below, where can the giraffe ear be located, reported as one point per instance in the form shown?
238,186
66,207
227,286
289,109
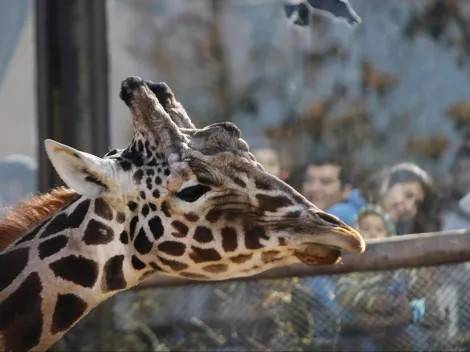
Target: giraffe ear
81,171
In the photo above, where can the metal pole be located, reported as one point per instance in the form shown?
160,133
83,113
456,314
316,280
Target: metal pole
43,88
72,79
406,251
100,78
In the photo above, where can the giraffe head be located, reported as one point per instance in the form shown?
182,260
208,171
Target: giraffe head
194,202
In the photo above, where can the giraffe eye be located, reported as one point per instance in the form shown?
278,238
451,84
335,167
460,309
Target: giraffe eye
193,193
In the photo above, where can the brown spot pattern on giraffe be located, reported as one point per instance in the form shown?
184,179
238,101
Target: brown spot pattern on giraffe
120,217
77,216
272,203
76,269
138,175
269,256
156,227
229,239
124,237
181,228
155,266
12,263
191,217
21,318
174,265
165,209
213,215
52,246
145,210
132,205
103,209
239,182
58,224
241,258
132,227
200,255
97,233
32,234
68,309
172,248
253,235
64,221
262,183
137,264
294,214
203,235
216,268
142,243
113,275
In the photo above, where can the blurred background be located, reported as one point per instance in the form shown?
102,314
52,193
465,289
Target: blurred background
369,122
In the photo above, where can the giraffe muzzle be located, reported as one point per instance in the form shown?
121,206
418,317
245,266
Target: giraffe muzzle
336,233
329,237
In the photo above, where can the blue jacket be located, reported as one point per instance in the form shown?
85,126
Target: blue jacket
347,210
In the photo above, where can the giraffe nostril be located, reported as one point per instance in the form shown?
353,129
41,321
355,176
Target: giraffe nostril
330,219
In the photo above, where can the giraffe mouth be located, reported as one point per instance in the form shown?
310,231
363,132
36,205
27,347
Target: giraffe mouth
325,248
317,254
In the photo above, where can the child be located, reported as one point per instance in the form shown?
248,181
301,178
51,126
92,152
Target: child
379,304
373,222
371,299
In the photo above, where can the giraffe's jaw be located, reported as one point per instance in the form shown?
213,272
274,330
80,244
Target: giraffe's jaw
314,254
325,248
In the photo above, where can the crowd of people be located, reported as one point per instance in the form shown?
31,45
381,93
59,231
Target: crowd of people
404,194
397,309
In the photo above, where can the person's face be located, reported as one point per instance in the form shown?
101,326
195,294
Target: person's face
402,200
461,177
323,187
372,226
269,159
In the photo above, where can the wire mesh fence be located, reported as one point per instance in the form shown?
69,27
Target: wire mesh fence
424,308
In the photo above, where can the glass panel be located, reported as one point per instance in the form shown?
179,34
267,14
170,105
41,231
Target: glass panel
361,99
369,123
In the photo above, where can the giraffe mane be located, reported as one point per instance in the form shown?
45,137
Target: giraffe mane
31,212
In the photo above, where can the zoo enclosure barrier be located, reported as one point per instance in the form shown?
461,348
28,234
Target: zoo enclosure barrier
352,305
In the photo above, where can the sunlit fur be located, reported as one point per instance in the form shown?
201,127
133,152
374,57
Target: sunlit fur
31,212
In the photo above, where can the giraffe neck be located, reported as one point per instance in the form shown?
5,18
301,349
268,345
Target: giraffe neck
60,270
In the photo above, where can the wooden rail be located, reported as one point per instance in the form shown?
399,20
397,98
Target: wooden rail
415,250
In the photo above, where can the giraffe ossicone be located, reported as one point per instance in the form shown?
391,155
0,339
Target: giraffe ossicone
178,201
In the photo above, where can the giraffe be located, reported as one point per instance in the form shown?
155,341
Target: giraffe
178,201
